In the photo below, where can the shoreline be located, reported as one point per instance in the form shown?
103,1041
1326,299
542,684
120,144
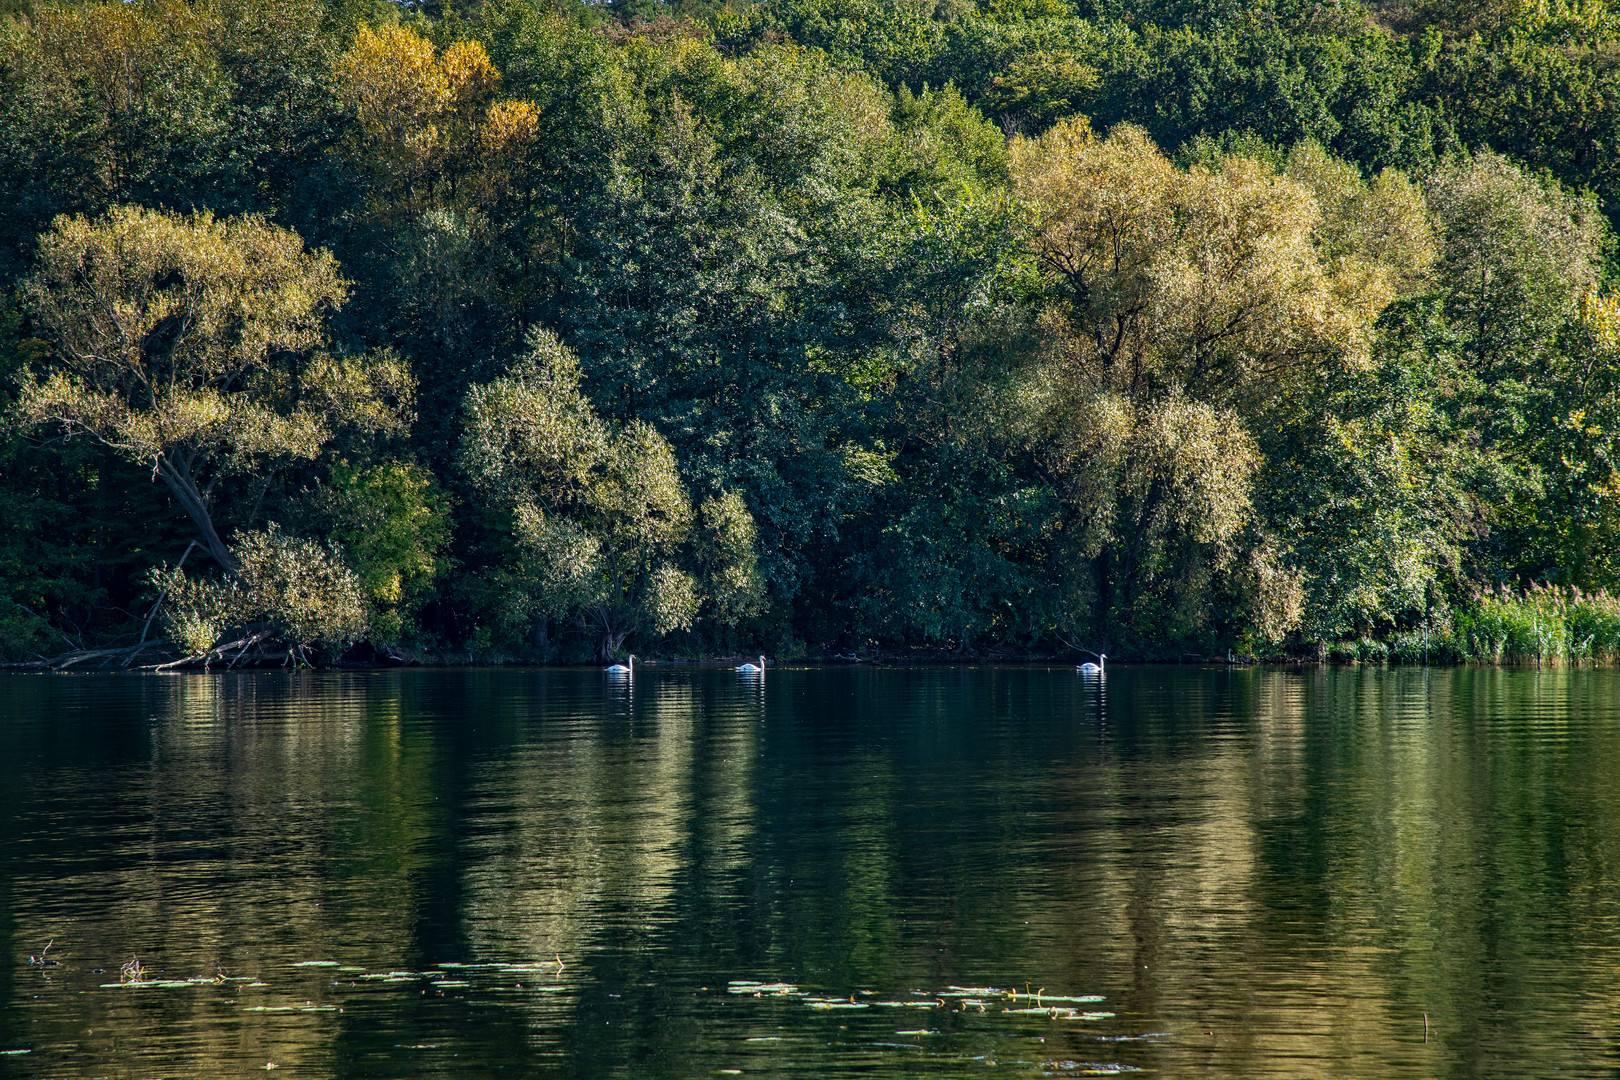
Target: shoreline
727,663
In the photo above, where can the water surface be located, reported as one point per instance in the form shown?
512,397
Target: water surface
846,872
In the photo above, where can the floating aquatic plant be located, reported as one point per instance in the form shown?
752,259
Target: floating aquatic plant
759,989
1086,1068
1055,1013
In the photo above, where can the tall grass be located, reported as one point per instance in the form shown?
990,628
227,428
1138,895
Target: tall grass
1548,625
1538,624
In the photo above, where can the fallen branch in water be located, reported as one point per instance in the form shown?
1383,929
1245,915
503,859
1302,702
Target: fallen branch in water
93,658
230,653
255,648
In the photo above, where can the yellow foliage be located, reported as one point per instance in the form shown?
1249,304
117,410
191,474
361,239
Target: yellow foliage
468,73
509,124
602,517
115,48
1599,316
1187,302
391,77
301,590
179,344
240,289
168,327
425,115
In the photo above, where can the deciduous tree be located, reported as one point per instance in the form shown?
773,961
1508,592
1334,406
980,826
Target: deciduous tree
602,524
195,346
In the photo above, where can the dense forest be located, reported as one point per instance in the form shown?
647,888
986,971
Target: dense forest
539,330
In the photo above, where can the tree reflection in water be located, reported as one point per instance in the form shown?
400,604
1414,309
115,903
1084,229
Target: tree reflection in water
1265,873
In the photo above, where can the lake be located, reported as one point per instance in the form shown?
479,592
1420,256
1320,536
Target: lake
943,872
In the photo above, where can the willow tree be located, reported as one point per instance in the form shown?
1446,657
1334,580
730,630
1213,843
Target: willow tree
195,346
1220,280
1184,303
602,525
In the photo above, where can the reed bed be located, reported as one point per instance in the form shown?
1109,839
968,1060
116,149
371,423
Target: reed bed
1547,625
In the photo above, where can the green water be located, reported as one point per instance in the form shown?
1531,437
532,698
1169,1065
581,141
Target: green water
552,874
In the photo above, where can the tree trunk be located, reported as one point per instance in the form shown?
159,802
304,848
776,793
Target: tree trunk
184,489
607,646
612,624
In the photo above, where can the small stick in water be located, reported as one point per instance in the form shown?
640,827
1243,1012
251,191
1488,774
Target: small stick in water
1425,1027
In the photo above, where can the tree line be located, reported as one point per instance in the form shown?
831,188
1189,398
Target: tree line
543,330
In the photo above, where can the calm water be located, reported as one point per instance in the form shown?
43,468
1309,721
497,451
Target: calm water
849,872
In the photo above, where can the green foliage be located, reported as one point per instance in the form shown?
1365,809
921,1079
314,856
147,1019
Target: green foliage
1347,85
226,105
107,103
601,524
943,146
957,554
1160,495
709,294
727,551
392,521
302,593
1518,255
1534,84
1519,262
940,324
1367,491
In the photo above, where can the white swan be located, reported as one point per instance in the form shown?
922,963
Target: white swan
623,669
753,669
1094,669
